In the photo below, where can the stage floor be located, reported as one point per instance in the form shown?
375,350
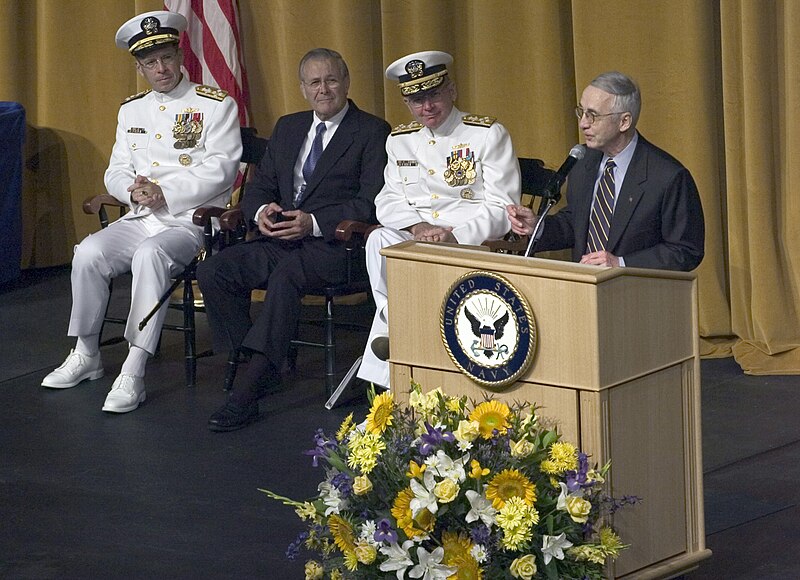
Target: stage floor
154,493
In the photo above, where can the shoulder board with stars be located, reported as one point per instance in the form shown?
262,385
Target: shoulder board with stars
211,92
411,127
478,120
136,96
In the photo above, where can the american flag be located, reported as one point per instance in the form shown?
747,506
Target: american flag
212,48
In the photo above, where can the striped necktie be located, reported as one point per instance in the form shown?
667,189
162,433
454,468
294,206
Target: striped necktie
602,210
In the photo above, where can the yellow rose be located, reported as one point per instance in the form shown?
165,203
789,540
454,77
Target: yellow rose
524,567
366,553
521,448
314,570
467,431
578,509
446,490
362,485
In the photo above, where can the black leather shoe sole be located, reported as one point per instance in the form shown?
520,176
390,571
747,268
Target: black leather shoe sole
231,417
380,347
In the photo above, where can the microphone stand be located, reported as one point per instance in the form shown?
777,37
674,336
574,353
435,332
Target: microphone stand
549,199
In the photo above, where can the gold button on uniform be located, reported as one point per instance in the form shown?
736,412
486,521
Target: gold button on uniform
155,163
162,108
435,214
431,171
434,196
432,142
158,135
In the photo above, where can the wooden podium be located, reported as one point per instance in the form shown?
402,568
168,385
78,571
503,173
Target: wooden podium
616,364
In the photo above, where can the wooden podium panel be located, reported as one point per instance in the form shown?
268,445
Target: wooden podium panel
616,365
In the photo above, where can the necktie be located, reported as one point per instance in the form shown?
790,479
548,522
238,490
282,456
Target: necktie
603,208
311,161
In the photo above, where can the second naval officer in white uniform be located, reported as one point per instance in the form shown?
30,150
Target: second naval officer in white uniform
448,179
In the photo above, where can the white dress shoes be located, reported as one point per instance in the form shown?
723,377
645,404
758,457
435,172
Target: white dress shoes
78,367
125,395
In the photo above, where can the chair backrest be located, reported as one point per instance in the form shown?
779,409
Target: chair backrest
253,149
534,175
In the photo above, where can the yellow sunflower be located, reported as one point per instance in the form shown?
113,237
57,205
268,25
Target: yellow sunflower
507,484
491,415
380,415
342,533
412,527
457,553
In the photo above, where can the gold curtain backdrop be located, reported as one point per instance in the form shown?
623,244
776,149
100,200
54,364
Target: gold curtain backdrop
719,82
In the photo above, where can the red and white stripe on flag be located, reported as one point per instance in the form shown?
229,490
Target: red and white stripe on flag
212,48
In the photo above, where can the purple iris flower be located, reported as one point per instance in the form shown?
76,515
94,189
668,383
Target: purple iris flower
344,483
385,533
323,444
577,479
433,438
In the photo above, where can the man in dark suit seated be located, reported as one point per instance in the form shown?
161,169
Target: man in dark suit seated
321,167
629,203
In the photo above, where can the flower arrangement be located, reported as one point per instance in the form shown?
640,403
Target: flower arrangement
447,488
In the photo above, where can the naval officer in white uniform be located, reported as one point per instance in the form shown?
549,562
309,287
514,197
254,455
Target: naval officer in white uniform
177,148
448,179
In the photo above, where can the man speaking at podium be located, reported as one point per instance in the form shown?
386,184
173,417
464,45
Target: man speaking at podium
629,203
449,178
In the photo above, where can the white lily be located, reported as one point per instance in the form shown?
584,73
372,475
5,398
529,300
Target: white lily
397,559
430,565
480,508
331,497
444,466
554,546
424,498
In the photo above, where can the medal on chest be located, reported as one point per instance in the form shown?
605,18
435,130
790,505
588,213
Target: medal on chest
187,128
460,168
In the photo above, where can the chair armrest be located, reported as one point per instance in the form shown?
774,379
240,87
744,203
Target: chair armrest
232,220
92,205
511,244
347,230
202,215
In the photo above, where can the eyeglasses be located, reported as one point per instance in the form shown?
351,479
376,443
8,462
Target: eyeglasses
316,84
165,60
591,115
419,101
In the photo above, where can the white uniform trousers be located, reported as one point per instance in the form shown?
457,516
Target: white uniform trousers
152,251
372,368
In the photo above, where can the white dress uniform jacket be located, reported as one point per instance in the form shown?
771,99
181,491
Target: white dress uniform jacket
420,185
462,174
188,142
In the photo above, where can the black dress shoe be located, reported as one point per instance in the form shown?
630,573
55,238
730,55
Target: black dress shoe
380,347
231,416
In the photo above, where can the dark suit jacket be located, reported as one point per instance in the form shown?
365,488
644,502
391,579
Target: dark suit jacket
343,186
658,219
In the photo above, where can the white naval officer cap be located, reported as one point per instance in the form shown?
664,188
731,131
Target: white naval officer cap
150,29
420,71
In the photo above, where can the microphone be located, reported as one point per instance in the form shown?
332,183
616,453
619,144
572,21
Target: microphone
553,188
